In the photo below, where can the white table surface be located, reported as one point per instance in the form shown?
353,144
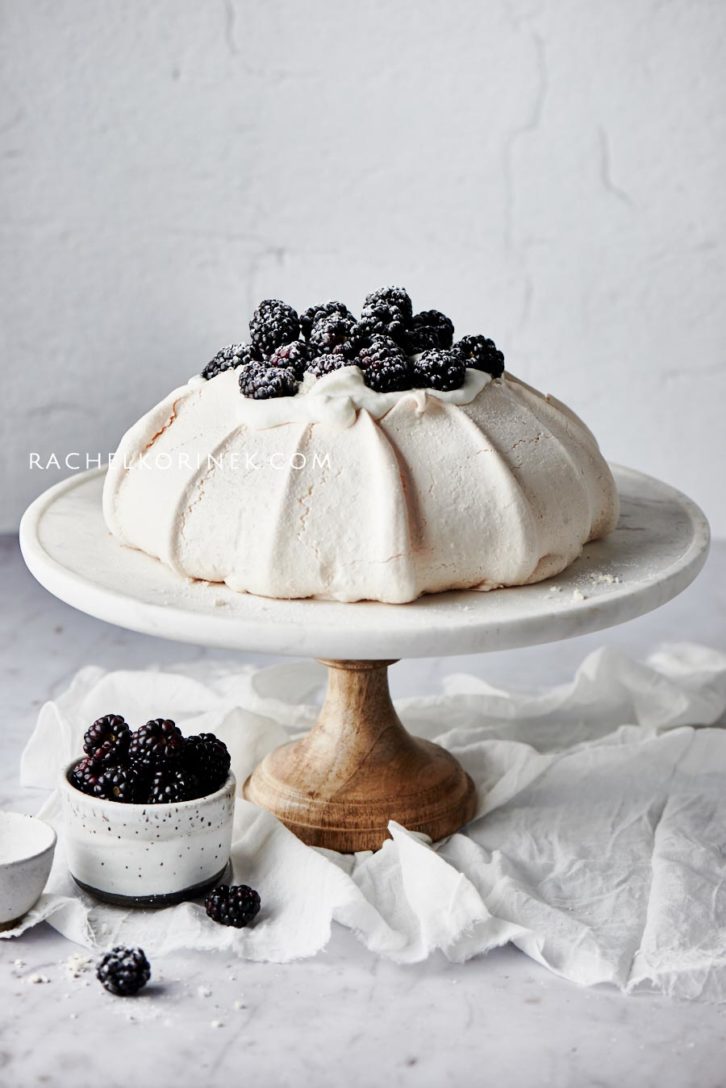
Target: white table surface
344,1018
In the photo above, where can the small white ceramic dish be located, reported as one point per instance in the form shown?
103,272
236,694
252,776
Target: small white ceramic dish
147,855
26,855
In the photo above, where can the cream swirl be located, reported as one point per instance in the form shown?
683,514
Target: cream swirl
335,398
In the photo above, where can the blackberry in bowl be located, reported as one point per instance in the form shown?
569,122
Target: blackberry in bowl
155,827
107,740
157,744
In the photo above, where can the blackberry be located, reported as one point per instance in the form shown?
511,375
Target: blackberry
273,323
228,358
260,381
207,757
395,298
88,776
126,785
429,329
310,317
326,364
439,369
157,744
482,354
235,906
384,323
107,739
337,334
170,785
293,355
123,971
384,365
387,312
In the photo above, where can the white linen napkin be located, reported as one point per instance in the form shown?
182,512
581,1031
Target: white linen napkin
599,846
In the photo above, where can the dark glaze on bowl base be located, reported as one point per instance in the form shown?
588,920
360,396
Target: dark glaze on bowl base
11,924
168,899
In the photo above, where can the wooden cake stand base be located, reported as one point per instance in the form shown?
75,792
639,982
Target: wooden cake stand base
358,768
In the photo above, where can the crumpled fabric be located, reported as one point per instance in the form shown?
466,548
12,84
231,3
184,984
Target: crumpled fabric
598,849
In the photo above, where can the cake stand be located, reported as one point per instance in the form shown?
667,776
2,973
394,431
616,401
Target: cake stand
358,768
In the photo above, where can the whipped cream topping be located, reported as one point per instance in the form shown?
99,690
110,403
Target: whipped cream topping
335,398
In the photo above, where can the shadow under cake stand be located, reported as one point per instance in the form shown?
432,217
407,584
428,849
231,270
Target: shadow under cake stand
358,768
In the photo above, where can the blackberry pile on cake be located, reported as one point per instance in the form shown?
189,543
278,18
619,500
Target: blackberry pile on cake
371,458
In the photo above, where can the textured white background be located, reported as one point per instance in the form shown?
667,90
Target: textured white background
551,174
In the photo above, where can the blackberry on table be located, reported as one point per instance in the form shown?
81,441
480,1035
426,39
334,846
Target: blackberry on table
337,334
228,358
310,317
107,739
170,785
261,382
232,906
293,355
384,365
439,369
157,743
88,776
326,364
126,785
207,757
429,329
124,971
273,323
482,354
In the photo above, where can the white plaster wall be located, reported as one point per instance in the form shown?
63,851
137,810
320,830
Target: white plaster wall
552,174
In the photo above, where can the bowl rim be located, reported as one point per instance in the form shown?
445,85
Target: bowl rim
135,806
49,847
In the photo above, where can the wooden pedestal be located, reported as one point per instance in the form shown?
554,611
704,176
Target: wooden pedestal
358,768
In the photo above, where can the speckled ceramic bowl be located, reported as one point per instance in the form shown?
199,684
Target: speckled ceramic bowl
147,855
26,855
